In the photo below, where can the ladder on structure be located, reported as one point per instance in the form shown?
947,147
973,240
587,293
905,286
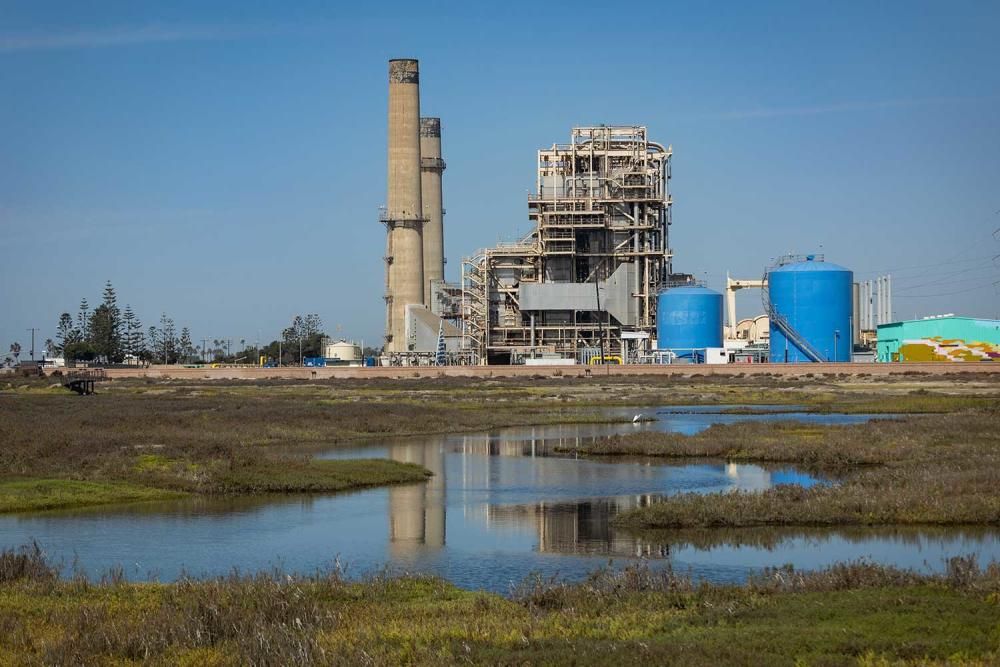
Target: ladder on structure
797,339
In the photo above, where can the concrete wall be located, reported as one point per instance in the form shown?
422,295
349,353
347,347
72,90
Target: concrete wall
681,370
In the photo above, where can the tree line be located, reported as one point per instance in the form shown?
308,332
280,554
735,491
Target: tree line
110,334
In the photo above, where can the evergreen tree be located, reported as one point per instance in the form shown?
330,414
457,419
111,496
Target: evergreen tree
155,348
305,333
138,343
186,346
128,330
134,338
311,325
105,330
83,320
168,340
104,336
66,333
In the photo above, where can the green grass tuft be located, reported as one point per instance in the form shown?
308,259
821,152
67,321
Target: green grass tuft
23,495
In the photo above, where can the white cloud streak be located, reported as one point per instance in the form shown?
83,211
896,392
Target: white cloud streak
124,36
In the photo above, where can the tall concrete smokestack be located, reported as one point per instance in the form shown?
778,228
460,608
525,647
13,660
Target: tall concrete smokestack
431,167
404,211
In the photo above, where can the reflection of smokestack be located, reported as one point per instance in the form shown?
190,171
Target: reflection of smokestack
431,166
417,511
404,211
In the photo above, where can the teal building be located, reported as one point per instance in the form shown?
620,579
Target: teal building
944,338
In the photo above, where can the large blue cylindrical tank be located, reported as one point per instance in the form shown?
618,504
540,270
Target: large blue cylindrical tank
813,298
688,318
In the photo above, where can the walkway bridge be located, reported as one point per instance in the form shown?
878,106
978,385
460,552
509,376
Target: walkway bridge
82,381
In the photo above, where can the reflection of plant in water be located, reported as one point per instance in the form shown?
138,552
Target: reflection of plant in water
773,538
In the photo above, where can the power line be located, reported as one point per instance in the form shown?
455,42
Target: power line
949,278
927,296
914,267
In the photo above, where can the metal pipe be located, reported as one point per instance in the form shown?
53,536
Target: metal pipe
855,313
637,286
888,298
867,306
878,301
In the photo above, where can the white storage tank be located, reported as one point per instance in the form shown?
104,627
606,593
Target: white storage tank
343,350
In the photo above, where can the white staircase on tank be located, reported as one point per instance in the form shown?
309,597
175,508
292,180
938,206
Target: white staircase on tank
797,339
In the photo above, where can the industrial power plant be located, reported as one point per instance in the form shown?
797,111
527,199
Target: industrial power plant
594,281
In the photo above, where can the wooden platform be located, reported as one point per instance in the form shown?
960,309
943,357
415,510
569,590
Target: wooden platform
84,381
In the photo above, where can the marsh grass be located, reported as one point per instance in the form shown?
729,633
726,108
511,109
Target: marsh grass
941,469
46,494
290,475
26,563
138,438
834,616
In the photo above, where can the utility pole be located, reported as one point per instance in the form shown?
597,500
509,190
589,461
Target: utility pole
204,346
300,350
32,330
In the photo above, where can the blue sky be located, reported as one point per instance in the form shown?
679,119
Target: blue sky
224,162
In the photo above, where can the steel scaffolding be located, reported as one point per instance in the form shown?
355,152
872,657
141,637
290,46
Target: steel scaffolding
601,215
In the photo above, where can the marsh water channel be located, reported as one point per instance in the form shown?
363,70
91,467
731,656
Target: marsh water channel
501,505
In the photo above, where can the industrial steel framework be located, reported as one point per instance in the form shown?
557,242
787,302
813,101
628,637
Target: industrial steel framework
601,215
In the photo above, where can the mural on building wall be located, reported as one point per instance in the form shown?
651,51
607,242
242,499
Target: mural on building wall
947,349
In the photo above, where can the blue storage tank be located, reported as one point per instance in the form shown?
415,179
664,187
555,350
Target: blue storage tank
811,305
688,318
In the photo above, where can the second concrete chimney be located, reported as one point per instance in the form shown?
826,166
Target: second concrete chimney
431,167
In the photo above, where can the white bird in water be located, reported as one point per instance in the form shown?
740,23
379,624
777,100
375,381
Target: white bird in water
638,418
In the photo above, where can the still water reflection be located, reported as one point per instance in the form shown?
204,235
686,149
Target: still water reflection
500,505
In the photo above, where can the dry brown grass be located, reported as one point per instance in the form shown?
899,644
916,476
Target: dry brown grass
942,469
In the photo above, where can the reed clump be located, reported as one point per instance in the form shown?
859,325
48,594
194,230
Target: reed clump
26,563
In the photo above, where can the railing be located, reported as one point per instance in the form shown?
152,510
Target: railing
778,320
87,374
797,259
